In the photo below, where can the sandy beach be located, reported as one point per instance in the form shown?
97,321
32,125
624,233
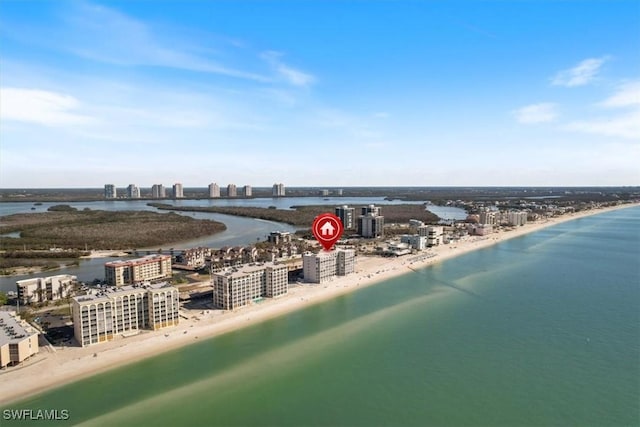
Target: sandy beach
53,367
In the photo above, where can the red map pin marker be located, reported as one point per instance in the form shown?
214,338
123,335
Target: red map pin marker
327,229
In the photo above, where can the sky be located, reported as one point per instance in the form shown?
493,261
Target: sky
319,93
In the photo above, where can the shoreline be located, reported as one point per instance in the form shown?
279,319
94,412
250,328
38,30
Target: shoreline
70,364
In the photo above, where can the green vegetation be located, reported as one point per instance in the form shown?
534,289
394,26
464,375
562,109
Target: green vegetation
304,215
62,208
3,298
80,230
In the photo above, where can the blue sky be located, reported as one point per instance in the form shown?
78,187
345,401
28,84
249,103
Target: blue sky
319,93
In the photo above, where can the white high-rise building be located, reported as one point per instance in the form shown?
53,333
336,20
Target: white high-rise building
324,266
177,191
232,191
347,216
278,190
517,218
158,191
246,191
235,288
110,191
214,190
133,192
104,315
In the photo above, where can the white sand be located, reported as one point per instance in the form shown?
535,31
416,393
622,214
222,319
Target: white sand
51,369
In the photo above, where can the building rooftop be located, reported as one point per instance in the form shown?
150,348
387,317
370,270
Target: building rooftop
137,261
12,329
104,294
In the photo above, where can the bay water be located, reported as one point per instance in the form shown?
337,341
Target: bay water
542,329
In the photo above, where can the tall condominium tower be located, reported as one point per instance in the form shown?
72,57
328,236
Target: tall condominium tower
133,192
177,191
214,190
278,190
110,191
158,191
347,216
246,190
232,191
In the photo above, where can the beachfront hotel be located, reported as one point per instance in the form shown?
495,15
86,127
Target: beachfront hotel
18,340
102,316
151,267
234,288
43,289
325,266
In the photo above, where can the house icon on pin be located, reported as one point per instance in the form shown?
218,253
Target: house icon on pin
327,229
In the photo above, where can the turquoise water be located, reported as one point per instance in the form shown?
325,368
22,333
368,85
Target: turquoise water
538,330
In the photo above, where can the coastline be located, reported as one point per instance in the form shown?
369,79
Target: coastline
66,365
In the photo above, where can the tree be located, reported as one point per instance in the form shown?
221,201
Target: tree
3,298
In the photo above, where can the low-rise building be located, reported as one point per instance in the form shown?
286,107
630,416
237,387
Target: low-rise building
326,265
103,315
278,237
236,287
18,340
151,267
43,289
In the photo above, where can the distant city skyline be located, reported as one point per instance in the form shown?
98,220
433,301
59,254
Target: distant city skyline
333,94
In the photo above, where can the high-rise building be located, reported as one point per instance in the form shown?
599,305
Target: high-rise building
158,191
103,315
324,193
110,191
214,190
434,234
346,215
234,288
324,266
371,222
18,340
152,267
177,191
133,192
278,190
232,191
246,190
517,218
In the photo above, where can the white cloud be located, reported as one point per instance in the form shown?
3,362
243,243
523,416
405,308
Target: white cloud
291,75
628,94
623,126
581,74
40,106
536,113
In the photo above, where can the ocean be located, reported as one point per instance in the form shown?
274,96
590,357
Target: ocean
538,330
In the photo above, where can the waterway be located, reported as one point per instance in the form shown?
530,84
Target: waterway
538,330
240,231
